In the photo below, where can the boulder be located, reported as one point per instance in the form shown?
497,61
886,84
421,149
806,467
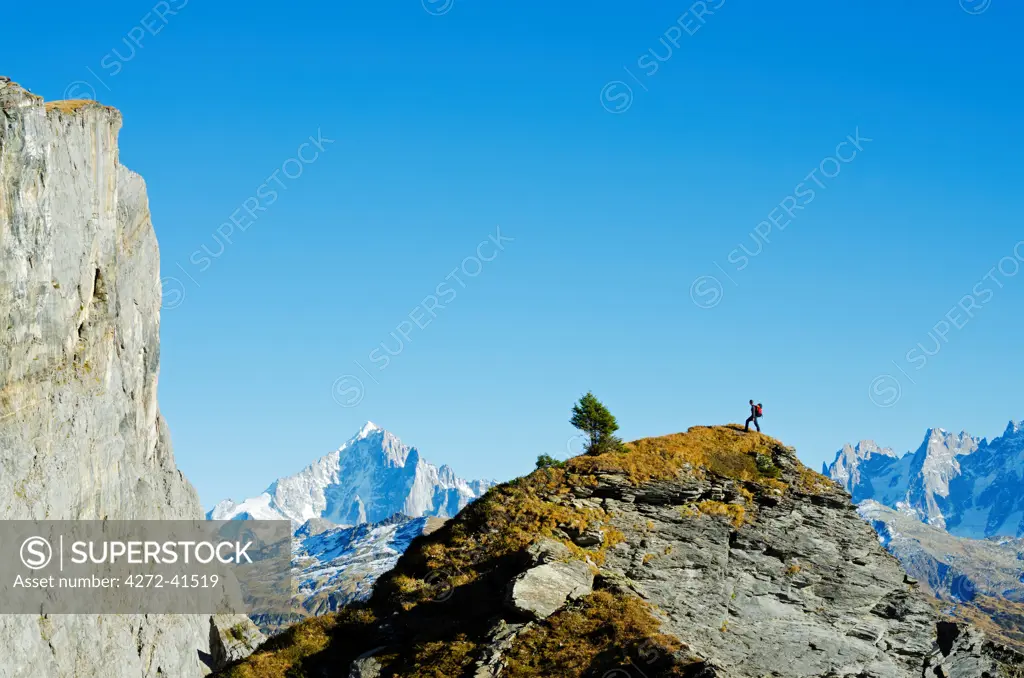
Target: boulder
543,590
232,637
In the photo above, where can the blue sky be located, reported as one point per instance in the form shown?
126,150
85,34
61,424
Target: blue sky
625,153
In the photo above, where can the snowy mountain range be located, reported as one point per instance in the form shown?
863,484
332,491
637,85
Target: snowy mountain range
369,479
968,486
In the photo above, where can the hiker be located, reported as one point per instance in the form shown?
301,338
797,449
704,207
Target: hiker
756,411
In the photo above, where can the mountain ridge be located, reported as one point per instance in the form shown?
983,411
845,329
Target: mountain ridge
958,482
709,554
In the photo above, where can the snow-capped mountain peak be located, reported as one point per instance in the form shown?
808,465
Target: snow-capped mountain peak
368,428
373,476
953,481
847,466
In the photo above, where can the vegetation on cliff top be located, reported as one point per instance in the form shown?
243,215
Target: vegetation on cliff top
591,417
69,105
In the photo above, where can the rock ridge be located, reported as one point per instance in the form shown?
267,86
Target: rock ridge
713,553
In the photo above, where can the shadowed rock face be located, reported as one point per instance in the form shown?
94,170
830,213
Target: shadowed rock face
717,554
81,436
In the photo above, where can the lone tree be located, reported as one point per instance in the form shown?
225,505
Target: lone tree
594,419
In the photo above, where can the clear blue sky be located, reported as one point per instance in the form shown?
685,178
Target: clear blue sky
449,120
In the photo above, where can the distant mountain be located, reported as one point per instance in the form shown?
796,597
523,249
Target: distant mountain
369,479
333,566
973,576
954,568
969,486
356,510
338,565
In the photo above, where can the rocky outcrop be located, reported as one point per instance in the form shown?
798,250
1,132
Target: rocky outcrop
722,556
365,667
801,588
81,436
232,638
543,590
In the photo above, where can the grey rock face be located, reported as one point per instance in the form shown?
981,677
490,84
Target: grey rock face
802,589
232,637
543,590
81,436
367,667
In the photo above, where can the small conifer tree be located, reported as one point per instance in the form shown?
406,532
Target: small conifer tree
597,423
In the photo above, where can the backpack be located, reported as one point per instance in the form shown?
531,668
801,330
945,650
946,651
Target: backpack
760,411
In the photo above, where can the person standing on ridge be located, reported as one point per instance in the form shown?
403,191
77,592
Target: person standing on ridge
755,413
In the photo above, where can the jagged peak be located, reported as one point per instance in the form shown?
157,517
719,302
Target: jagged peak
1014,428
869,447
944,434
940,438
13,95
368,429
446,474
364,480
852,454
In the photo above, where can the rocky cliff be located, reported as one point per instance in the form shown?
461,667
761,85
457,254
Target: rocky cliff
709,553
81,436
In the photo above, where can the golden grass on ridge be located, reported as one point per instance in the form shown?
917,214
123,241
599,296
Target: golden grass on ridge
69,105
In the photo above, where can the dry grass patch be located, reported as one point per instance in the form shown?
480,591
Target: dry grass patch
999,618
605,631
736,514
724,450
282,656
442,659
813,482
69,105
